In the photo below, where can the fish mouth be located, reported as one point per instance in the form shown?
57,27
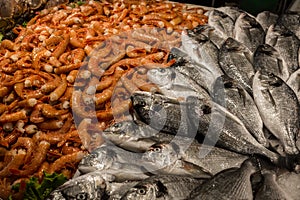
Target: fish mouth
86,169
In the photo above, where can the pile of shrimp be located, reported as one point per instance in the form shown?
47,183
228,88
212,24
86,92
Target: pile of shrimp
69,74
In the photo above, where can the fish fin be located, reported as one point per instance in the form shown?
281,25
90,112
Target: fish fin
267,94
242,94
191,166
161,189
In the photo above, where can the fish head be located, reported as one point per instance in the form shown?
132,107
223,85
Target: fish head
231,44
147,190
162,77
88,186
177,54
99,159
217,15
199,106
199,37
121,130
266,49
162,154
269,80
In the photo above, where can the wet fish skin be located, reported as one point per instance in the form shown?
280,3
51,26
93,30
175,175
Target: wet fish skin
220,126
294,83
162,187
236,61
240,103
249,32
116,190
109,159
232,12
286,43
161,113
270,190
89,186
134,136
233,183
221,22
266,19
279,108
268,60
209,158
291,21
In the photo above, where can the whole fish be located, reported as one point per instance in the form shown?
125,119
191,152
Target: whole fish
213,35
241,104
202,50
286,43
294,83
232,12
220,126
270,190
232,183
249,32
267,60
236,61
290,183
209,158
174,84
279,108
162,113
89,186
221,22
134,136
162,187
291,21
109,159
266,19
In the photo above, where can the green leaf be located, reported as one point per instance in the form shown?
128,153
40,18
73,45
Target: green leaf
24,24
1,37
80,3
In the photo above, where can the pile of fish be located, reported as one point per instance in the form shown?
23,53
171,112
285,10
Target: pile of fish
224,125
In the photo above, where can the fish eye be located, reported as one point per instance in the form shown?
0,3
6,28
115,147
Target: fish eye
141,191
81,196
162,70
206,109
157,149
117,125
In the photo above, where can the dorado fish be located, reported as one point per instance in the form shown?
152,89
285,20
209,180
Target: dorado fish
232,12
270,190
162,113
266,19
294,83
236,61
279,108
221,22
109,159
202,50
249,32
209,158
220,126
291,21
174,84
267,60
89,186
286,43
162,187
241,104
233,183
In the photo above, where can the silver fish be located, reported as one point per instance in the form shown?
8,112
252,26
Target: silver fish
203,51
267,60
174,84
162,187
162,113
221,22
116,190
248,31
279,108
287,45
236,61
232,12
270,190
233,183
291,21
109,159
266,19
134,136
294,83
220,126
89,186
213,35
209,158
241,104
290,183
